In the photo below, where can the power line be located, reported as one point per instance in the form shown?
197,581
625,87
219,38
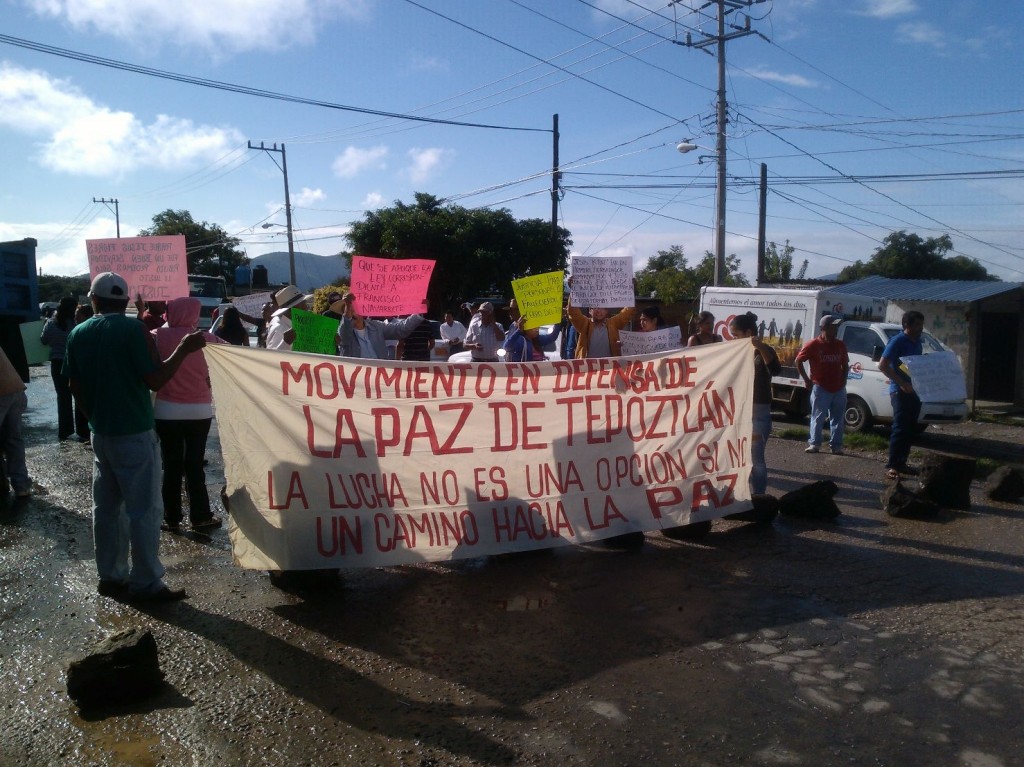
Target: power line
241,89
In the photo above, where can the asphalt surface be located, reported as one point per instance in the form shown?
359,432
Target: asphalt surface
867,640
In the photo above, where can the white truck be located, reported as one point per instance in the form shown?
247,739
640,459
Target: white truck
211,292
788,317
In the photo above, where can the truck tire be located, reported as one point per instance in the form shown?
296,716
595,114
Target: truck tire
857,416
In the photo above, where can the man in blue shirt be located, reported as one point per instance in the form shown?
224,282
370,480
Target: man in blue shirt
906,405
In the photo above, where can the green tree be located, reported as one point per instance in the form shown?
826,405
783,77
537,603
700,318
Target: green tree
54,287
908,256
477,251
210,250
778,263
667,275
704,273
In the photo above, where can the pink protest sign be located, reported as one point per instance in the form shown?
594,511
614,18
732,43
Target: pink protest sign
385,287
154,267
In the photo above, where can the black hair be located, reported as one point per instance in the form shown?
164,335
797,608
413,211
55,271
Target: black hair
912,317
65,315
746,321
704,317
653,313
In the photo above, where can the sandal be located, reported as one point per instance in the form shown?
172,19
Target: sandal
892,474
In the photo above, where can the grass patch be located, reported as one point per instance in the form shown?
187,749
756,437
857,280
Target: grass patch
866,441
869,442
985,466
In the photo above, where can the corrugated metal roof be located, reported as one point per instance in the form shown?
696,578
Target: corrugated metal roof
952,291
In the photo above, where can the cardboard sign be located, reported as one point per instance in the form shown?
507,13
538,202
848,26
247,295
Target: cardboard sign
605,283
385,287
539,298
368,463
251,305
662,340
314,333
36,353
154,267
937,377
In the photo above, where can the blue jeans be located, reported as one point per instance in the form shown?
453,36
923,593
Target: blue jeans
127,510
759,439
183,447
13,446
906,409
833,405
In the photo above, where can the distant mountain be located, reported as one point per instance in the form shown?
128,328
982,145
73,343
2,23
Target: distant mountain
311,271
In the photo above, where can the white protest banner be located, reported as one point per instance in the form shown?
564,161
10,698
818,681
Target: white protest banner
154,267
602,282
355,463
385,287
937,377
661,340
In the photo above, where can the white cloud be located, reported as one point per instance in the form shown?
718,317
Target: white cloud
372,201
424,163
798,81
217,25
354,161
886,9
308,196
922,33
77,136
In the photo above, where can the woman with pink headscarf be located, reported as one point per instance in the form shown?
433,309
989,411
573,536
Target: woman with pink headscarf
184,413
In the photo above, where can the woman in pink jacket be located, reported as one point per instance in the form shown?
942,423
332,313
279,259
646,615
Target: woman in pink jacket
184,412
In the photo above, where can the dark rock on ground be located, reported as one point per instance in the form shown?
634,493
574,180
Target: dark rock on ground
123,668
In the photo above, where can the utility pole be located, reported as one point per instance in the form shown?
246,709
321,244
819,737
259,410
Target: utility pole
762,215
556,178
725,7
287,202
116,211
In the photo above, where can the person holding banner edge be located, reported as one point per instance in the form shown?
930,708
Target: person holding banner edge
906,405
113,365
766,365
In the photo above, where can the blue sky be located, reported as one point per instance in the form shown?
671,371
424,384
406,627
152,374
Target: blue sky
871,115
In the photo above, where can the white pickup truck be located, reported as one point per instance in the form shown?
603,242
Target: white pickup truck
788,317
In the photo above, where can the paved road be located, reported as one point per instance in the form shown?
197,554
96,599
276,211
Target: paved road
863,641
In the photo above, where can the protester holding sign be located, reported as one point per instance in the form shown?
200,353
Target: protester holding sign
528,345
599,333
280,334
184,411
359,336
906,405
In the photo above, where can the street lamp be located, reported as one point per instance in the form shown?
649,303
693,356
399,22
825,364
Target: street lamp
685,146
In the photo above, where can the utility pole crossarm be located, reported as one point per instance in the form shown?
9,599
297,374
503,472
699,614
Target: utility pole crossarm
287,201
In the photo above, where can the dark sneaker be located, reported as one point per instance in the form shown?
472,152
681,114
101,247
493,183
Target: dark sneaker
167,527
207,525
112,589
910,471
165,594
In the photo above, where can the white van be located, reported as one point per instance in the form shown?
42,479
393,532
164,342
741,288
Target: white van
788,317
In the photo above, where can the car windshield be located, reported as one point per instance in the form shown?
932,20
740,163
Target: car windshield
209,287
928,342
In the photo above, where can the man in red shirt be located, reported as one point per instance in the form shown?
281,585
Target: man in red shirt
830,364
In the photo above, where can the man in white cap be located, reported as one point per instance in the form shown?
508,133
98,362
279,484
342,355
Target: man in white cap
113,365
830,365
280,334
485,336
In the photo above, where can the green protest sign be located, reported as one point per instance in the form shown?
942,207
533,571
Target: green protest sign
314,333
